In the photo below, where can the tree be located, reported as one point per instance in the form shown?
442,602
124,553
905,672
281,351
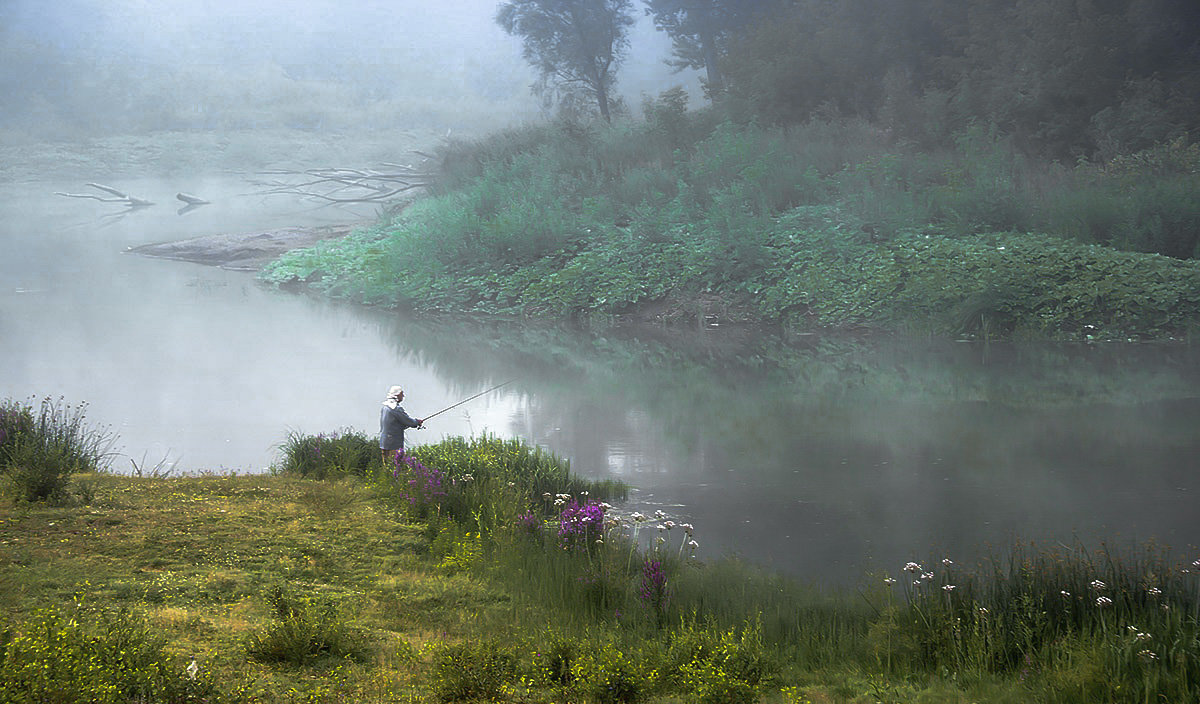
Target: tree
576,45
699,29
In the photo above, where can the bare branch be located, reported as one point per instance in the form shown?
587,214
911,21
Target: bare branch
119,196
349,185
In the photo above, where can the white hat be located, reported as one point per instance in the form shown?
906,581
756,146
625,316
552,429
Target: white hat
395,391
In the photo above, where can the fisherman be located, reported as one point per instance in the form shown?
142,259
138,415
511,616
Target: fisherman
392,422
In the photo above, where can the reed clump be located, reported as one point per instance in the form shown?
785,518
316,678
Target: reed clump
40,448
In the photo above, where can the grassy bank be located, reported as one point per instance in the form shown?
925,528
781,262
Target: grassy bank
822,225
483,570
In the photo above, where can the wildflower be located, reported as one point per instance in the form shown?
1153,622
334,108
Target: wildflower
983,611
605,505
912,567
654,593
1147,655
889,581
1065,594
1196,564
659,515
661,527
927,575
687,528
1103,601
580,524
638,517
468,478
947,562
1141,636
669,524
693,544
948,588
546,496
1097,585
1154,592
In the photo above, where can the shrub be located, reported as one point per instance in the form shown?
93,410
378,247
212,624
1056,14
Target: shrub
328,456
607,675
473,672
305,630
101,657
40,451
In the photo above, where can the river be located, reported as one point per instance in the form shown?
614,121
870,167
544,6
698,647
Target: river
824,457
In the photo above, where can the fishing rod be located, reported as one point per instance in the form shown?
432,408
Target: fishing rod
485,391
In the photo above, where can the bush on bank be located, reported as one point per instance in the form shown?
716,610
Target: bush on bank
40,450
812,226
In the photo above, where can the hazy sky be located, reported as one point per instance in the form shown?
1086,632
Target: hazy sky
414,36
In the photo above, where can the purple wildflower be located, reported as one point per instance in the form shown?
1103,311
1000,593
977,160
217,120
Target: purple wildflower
581,524
529,524
424,485
654,593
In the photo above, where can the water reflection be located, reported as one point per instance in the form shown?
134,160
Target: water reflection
827,457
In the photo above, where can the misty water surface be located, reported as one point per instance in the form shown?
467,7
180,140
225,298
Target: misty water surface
819,456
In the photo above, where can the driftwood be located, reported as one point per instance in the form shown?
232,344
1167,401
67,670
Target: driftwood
342,185
117,196
190,199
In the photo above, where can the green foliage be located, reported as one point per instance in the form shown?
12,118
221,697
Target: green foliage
576,48
995,285
823,224
473,671
100,656
532,470
329,456
1105,626
40,451
718,666
306,630
608,675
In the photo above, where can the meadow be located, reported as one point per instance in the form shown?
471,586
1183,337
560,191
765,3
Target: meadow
482,569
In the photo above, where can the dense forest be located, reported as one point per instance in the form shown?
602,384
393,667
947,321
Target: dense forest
1066,79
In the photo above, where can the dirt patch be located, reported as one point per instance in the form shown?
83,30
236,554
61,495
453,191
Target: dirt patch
245,252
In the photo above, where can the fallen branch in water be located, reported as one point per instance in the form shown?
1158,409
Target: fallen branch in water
118,196
191,199
343,185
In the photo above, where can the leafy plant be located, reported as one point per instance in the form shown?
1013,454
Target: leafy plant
40,451
305,630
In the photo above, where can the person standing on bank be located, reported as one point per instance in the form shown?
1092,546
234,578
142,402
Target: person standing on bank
392,422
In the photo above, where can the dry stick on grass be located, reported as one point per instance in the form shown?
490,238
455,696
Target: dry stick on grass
343,185
119,196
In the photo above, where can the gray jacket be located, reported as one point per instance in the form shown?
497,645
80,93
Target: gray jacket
392,422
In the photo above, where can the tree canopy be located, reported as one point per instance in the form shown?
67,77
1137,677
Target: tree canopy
576,45
700,28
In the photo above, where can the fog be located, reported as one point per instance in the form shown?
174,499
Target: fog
81,68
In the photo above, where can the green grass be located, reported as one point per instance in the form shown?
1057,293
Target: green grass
283,588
